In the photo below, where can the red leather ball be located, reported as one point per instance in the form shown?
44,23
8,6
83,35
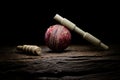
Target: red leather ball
57,37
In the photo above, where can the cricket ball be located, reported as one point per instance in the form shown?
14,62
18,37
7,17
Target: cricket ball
57,37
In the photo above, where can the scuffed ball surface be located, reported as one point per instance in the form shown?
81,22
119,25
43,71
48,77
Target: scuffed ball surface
57,37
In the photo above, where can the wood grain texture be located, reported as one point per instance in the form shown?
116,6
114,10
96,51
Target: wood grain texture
77,62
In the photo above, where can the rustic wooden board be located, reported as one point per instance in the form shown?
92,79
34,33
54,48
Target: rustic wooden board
77,62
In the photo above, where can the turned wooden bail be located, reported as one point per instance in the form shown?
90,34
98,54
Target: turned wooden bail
30,49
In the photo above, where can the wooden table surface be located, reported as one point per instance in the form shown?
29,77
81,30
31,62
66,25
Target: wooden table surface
77,62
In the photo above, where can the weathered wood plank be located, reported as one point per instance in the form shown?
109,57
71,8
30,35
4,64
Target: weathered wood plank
77,62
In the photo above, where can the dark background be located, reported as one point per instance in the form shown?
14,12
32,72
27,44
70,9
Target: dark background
26,22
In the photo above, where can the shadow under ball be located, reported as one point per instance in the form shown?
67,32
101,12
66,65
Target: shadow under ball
57,37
